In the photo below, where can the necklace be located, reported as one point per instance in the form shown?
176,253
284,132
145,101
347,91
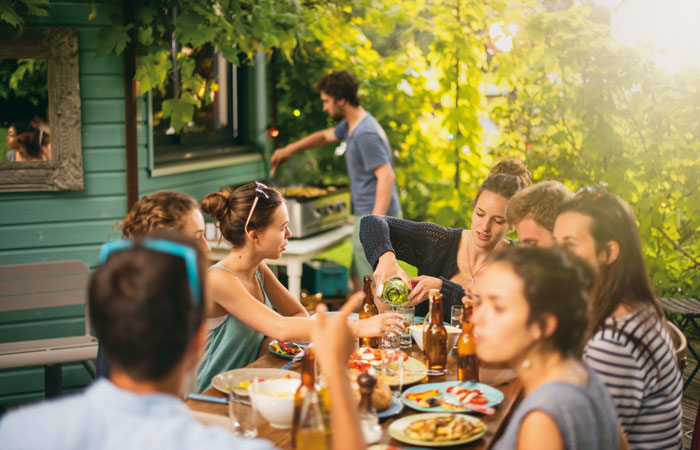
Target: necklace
469,260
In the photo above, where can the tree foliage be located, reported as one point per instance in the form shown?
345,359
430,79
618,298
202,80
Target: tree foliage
14,12
572,103
236,29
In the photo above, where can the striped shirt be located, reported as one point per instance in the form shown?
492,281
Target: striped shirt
645,383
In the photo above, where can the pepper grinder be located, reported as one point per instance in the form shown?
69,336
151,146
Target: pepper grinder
369,421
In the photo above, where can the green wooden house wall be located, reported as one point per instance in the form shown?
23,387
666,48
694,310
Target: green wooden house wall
51,226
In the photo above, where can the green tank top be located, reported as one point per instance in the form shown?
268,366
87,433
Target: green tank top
231,345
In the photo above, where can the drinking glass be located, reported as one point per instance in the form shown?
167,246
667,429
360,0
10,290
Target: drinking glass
392,368
456,315
408,313
391,340
243,416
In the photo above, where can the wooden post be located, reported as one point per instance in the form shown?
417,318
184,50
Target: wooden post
130,93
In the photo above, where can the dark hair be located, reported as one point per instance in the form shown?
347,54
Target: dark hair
626,278
512,166
507,177
164,210
20,127
553,283
540,201
29,141
142,309
230,209
340,85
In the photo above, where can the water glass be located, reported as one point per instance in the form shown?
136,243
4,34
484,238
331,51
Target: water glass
392,368
391,340
243,416
456,315
408,313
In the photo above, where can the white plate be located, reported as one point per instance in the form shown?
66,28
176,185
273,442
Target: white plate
397,430
225,381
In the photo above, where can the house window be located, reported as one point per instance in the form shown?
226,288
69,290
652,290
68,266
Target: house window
216,131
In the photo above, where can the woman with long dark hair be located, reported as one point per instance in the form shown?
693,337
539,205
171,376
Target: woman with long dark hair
243,289
531,313
448,259
629,346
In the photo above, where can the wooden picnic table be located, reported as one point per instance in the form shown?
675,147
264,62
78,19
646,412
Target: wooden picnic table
499,378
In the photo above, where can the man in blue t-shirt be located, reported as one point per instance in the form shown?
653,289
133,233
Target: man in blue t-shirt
367,156
148,307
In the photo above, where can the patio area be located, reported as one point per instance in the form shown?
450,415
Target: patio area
691,397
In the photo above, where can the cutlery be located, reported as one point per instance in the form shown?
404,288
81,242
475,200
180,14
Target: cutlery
207,398
392,372
297,358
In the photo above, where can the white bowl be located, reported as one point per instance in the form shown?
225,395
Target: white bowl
274,399
452,335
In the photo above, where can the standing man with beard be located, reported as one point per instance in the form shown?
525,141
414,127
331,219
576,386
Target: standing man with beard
367,156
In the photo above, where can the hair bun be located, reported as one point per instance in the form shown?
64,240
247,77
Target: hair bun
217,204
512,166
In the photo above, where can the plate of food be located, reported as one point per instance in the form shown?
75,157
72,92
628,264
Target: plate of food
287,350
437,429
366,357
450,396
238,380
394,408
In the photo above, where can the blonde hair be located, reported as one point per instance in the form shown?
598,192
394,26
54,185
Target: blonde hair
540,201
164,210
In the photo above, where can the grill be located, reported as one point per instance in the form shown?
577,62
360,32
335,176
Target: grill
316,209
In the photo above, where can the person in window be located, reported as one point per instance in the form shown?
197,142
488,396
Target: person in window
448,259
28,143
533,211
147,304
244,291
629,346
13,131
531,312
367,155
161,211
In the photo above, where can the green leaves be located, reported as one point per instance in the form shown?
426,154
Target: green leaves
236,29
113,39
179,110
14,11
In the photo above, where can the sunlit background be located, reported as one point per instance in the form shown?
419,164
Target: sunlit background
668,30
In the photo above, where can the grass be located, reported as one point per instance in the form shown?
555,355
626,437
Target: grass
3,144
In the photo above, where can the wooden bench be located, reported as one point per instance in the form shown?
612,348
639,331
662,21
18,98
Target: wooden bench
35,286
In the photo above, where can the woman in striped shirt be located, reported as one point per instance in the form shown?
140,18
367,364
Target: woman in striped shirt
629,347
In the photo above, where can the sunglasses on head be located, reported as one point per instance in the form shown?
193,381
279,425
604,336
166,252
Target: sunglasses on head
595,192
259,193
188,254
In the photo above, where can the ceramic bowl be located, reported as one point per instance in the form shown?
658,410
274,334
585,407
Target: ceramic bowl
274,399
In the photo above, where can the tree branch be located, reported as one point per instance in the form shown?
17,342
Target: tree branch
678,247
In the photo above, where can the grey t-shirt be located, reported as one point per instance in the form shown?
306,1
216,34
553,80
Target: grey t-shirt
585,416
367,148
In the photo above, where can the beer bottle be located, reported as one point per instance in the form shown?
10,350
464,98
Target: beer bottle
435,335
367,310
310,433
467,361
305,394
